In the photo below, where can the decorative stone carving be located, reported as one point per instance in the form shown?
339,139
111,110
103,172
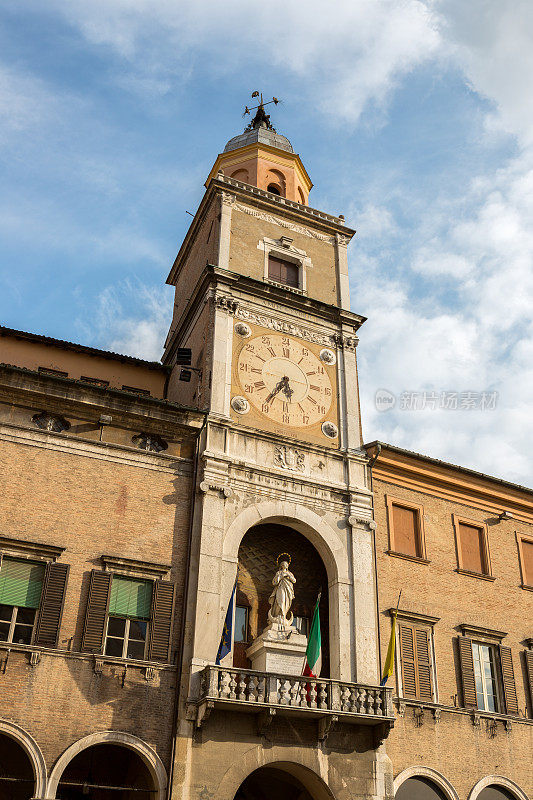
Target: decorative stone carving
240,404
289,458
225,303
328,356
283,594
242,329
150,442
50,422
205,487
149,673
283,223
228,199
347,342
284,327
35,657
418,713
476,719
436,714
330,429
343,240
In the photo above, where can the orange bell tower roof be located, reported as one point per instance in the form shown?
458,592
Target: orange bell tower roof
264,158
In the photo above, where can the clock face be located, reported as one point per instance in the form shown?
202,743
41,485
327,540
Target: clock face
284,380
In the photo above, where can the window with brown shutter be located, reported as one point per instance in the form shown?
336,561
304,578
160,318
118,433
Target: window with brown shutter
466,661
525,552
472,547
406,529
283,271
509,687
96,611
528,658
161,621
51,606
416,662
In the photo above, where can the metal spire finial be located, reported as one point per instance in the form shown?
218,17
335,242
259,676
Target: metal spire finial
260,120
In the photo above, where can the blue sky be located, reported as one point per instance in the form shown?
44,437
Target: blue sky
414,119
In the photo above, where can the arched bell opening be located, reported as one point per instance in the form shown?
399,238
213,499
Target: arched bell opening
17,779
107,772
258,553
283,780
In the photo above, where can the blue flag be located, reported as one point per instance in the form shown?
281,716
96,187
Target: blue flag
227,632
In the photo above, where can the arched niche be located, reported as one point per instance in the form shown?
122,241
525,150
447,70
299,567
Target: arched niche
423,783
241,175
258,552
108,758
22,760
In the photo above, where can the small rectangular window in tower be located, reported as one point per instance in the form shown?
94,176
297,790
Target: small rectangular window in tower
283,272
472,547
406,531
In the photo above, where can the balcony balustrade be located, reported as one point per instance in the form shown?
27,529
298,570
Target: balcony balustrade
268,694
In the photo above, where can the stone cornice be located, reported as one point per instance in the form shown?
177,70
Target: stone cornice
460,485
223,288
266,201
67,396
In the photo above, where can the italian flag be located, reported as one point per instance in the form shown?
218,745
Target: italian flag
313,654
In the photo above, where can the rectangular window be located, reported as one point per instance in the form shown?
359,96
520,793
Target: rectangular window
416,661
525,549
129,611
283,271
21,584
49,371
95,382
406,530
485,676
241,624
472,547
135,390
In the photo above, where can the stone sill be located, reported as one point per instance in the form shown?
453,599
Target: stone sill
30,649
292,289
468,712
416,559
481,575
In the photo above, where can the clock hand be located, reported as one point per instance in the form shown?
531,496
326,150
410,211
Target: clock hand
287,391
275,390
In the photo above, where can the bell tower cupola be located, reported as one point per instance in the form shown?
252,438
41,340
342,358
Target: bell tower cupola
264,158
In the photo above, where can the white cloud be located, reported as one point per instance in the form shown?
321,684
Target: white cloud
131,318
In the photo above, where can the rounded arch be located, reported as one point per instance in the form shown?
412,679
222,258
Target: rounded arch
301,196
144,751
277,179
304,520
497,780
431,775
241,174
304,766
32,750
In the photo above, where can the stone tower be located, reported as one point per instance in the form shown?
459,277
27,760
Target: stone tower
262,300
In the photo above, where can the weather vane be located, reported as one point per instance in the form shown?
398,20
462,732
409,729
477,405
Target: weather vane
261,120
261,103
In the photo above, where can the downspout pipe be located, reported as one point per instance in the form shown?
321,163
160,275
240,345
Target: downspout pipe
181,643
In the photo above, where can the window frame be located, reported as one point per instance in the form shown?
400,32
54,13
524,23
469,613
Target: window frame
13,623
126,639
292,261
523,537
494,657
460,520
284,250
420,534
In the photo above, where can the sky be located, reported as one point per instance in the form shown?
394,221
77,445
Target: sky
414,119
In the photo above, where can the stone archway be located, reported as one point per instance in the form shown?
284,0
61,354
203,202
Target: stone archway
331,549
443,787
506,786
148,758
30,753
295,766
283,780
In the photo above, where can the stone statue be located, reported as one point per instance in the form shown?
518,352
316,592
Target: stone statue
281,598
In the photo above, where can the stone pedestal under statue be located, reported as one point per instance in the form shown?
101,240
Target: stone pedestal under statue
278,650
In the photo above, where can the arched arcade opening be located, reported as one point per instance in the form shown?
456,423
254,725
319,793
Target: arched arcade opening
283,780
106,771
17,780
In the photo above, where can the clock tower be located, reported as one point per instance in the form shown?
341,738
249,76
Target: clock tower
262,300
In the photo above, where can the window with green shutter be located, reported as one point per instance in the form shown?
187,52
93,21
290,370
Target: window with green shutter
130,598
21,583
